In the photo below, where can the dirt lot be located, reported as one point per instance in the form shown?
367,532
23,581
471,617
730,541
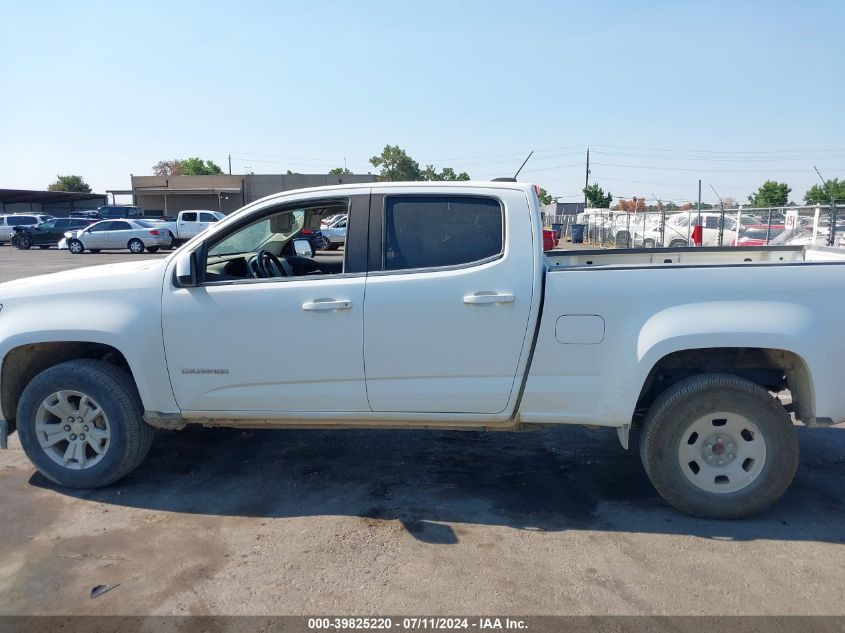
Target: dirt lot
364,522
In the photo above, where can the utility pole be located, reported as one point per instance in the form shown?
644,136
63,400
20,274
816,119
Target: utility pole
587,178
832,234
230,164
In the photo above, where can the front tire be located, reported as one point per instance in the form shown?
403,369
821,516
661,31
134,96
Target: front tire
719,446
80,424
23,243
648,243
135,246
76,247
678,244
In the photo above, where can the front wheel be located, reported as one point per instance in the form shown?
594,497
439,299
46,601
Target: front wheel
76,247
719,446
648,243
23,242
677,244
135,246
80,424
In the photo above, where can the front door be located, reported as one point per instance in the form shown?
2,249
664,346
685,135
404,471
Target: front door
446,318
120,232
274,346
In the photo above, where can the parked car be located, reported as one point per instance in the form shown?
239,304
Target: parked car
111,212
758,235
9,222
447,316
47,233
677,231
136,235
331,220
189,223
335,233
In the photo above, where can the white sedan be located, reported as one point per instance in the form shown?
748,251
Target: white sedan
136,235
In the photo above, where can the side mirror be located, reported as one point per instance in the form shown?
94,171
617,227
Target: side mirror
303,248
187,269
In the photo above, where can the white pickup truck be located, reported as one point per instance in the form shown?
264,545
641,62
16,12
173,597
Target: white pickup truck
190,223
449,316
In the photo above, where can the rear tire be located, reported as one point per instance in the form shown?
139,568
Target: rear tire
719,446
135,246
677,244
648,243
110,414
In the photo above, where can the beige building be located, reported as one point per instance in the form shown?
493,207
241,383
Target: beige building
167,195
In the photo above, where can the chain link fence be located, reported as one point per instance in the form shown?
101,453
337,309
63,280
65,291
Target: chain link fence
818,225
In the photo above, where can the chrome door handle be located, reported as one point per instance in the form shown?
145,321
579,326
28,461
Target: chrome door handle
492,297
326,304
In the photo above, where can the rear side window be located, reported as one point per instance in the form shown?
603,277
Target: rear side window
119,226
434,231
189,217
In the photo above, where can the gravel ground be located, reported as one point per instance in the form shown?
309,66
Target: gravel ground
561,521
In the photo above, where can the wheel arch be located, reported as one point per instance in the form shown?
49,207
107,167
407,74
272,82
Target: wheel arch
22,363
773,369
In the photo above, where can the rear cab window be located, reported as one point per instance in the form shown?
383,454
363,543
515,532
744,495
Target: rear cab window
423,231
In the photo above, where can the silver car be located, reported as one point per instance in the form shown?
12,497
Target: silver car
335,233
136,235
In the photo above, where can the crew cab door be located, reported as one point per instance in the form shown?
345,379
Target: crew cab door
275,347
448,299
187,225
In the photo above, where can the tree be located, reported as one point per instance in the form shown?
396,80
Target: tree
168,168
396,165
448,174
596,198
543,195
635,205
70,183
340,171
770,194
818,194
199,167
186,167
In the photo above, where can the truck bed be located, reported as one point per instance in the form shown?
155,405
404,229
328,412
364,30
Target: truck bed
723,256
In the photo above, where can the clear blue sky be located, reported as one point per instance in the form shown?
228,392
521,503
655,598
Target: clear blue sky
663,92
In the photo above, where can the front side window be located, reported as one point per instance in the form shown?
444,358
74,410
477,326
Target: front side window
49,224
436,231
100,227
207,217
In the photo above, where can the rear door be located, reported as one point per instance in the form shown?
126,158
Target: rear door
186,225
448,300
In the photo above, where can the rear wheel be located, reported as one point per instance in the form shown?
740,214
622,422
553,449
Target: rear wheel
76,247
719,446
677,244
135,246
648,243
80,424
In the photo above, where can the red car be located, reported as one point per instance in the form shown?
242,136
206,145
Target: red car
755,234
550,239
